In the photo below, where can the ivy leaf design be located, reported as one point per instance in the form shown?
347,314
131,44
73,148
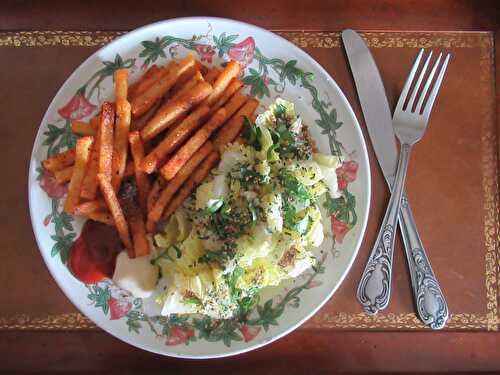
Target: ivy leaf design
100,297
224,42
154,49
226,332
342,207
39,172
59,138
109,68
268,314
62,221
257,84
62,246
290,72
52,134
204,327
133,321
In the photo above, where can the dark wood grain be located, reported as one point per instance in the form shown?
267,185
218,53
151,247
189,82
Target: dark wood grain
276,14
304,351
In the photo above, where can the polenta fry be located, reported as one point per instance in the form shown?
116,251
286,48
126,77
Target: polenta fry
232,128
122,128
141,178
174,139
181,90
230,90
89,184
102,217
106,140
154,192
121,84
116,211
196,179
232,70
83,128
171,188
141,245
91,206
140,122
170,169
82,152
146,100
59,161
212,75
172,110
235,103
64,175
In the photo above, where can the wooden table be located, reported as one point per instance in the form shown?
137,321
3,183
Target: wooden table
453,184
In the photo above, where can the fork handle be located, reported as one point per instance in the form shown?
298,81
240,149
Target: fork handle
374,289
429,299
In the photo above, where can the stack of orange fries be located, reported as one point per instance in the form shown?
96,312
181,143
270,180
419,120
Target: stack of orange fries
165,132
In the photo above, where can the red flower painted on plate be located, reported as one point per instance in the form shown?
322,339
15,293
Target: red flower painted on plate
249,332
77,108
243,52
144,67
179,336
46,221
339,229
346,173
313,283
118,308
49,184
205,51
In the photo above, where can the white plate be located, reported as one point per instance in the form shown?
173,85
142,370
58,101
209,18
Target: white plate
275,67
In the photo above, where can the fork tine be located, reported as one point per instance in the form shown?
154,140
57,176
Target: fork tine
427,84
409,80
435,89
417,85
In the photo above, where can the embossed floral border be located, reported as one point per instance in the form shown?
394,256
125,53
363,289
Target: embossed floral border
489,321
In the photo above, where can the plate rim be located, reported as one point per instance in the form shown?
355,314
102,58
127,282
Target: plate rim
362,154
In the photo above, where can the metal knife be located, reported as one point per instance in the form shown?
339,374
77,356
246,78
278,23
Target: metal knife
374,288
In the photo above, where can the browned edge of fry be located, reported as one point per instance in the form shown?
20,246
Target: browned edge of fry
116,211
172,166
83,128
171,188
142,180
82,153
106,139
59,161
195,180
64,175
172,110
146,100
101,216
232,128
232,70
91,206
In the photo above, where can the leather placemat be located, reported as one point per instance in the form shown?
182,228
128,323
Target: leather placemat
452,181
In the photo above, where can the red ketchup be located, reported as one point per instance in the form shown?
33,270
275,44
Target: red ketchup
93,255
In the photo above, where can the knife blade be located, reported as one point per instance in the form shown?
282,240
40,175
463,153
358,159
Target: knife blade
428,296
373,100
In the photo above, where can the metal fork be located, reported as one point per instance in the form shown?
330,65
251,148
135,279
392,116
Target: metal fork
409,126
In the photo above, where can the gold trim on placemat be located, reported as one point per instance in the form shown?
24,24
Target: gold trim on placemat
490,320
58,38
490,177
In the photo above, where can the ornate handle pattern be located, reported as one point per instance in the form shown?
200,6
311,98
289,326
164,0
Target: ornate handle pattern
374,289
429,299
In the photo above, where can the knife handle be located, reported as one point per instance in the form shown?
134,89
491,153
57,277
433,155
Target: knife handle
374,289
429,299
